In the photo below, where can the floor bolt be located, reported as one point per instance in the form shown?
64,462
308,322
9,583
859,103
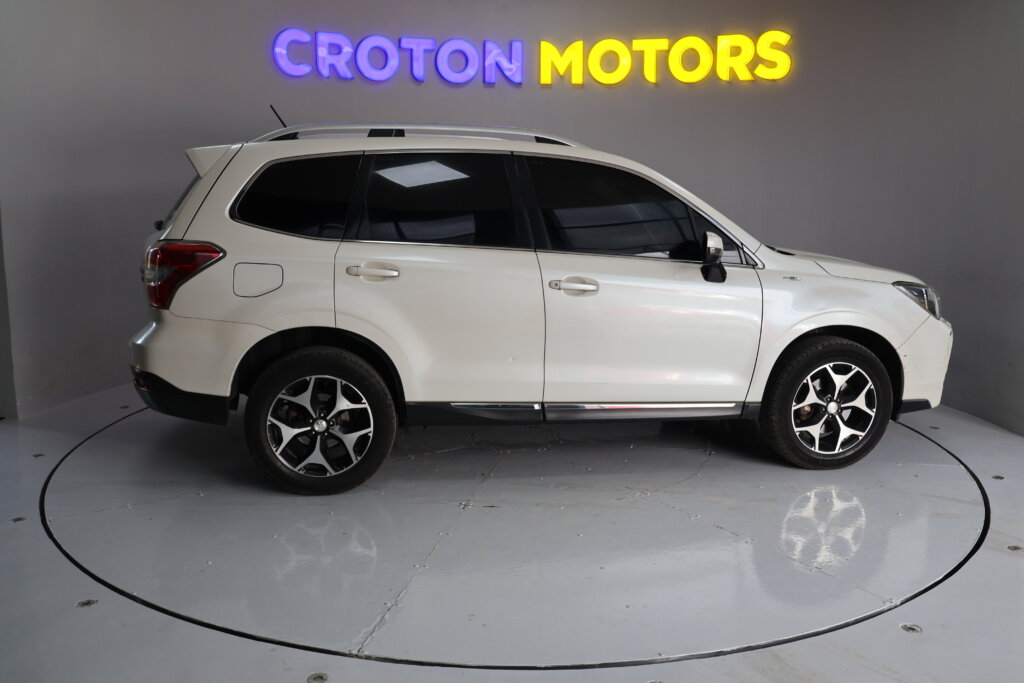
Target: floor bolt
1014,548
998,476
911,628
85,603
318,677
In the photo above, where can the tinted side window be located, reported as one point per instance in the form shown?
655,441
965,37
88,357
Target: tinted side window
307,196
597,209
439,198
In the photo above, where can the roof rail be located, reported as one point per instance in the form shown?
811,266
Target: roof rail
399,130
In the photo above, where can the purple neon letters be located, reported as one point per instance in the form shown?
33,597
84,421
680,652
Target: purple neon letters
377,58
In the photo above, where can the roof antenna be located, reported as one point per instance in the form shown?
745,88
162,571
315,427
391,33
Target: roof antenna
283,124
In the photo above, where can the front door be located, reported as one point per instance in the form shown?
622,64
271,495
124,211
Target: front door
631,320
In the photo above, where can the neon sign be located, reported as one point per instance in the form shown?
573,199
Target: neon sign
377,58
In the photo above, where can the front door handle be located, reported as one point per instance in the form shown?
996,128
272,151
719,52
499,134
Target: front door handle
568,286
361,271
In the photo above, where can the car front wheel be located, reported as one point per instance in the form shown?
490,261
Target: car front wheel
828,405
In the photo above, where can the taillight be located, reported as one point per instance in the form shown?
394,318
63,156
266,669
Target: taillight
170,263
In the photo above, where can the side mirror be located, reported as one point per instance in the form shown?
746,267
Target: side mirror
713,270
713,248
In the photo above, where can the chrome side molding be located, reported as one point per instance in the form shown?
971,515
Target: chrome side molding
473,413
496,406
574,412
532,413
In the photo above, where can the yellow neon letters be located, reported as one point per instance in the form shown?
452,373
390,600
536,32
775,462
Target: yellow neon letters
553,60
734,54
705,59
649,48
622,54
690,59
767,51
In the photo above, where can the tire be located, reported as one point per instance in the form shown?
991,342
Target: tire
299,439
812,423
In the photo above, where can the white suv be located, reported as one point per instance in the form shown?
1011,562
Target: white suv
349,279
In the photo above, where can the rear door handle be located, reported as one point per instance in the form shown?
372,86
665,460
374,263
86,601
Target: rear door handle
360,271
566,286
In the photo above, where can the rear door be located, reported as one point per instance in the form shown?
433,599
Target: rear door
631,321
439,271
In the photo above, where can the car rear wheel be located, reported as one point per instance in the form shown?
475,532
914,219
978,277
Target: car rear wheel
828,405
319,421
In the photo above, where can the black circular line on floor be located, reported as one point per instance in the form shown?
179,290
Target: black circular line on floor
496,667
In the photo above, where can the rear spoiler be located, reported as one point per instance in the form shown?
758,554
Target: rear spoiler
203,158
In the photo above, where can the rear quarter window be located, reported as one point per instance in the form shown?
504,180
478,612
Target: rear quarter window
308,196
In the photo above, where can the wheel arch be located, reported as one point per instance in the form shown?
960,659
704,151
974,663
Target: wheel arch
273,347
872,341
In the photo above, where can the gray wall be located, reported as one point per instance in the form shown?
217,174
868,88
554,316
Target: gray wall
895,140
8,402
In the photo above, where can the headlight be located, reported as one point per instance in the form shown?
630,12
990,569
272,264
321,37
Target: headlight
925,296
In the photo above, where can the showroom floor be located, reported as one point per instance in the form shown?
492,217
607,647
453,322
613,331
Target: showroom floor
623,552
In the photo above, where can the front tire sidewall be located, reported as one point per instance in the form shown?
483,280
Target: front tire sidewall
782,435
320,361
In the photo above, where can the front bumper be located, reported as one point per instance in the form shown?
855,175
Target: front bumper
164,397
925,359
